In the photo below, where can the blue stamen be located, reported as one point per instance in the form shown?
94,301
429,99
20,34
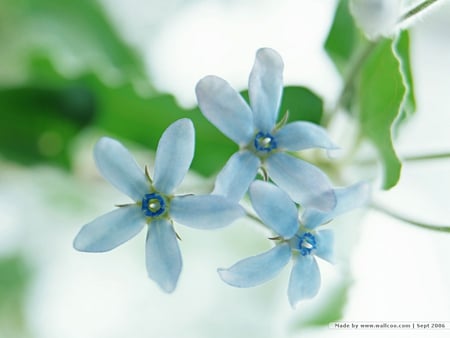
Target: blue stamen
153,205
264,142
307,243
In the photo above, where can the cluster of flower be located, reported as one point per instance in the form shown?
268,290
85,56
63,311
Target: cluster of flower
263,145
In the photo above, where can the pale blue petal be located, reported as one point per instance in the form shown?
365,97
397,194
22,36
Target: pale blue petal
110,230
265,87
162,253
205,211
174,155
347,199
237,174
304,281
304,183
325,245
303,135
258,269
116,164
225,109
275,208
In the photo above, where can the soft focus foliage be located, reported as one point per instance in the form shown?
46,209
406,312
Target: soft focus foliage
69,74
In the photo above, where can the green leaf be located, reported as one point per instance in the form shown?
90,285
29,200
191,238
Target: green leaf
302,104
381,93
38,124
14,280
402,52
342,38
40,120
76,35
14,275
52,109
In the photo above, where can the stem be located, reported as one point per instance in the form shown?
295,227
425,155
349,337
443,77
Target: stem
414,158
416,10
441,228
426,157
357,63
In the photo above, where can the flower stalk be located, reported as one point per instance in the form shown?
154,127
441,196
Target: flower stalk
416,10
393,214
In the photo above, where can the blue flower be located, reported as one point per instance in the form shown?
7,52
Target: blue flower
261,142
155,204
300,241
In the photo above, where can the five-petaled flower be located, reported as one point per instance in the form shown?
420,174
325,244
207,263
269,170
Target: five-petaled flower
261,142
155,204
297,240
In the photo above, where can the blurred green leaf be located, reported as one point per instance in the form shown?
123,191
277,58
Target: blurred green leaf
14,277
40,120
76,35
301,103
341,40
39,123
380,94
402,52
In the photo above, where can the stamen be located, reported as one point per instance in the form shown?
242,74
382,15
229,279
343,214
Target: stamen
153,205
306,243
264,142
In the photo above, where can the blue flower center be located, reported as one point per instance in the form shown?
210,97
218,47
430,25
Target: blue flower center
153,205
264,142
307,243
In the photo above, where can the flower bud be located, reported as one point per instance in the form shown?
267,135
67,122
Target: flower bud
376,17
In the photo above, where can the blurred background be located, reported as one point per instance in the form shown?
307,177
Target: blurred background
72,71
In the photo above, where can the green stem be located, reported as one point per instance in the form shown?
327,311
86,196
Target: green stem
426,157
414,158
434,227
416,10
357,63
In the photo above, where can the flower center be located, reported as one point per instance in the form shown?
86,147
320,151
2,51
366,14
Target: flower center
153,205
307,243
264,142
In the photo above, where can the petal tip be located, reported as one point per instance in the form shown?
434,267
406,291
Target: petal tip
76,244
85,246
226,276
185,123
167,287
81,244
269,55
206,83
